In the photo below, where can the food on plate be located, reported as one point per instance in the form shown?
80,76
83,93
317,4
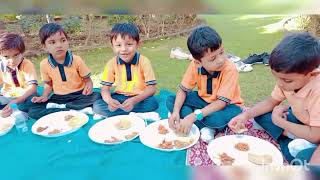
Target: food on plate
132,135
4,127
226,159
13,94
166,144
112,140
180,134
162,129
68,117
76,122
260,159
55,131
182,144
40,129
123,124
242,146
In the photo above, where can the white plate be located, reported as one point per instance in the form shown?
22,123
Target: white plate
56,121
151,137
257,146
6,124
105,129
15,92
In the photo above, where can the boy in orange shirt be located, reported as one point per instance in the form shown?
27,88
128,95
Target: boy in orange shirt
18,76
130,72
294,62
216,78
64,74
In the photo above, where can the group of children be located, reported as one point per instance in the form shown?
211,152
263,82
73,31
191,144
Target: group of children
215,105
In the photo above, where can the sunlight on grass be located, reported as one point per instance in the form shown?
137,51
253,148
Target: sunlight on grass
257,16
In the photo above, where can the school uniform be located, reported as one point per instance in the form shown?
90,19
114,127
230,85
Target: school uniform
129,79
16,81
67,84
222,85
304,109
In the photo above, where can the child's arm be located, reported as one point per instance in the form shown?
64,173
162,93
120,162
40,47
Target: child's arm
45,95
113,104
315,159
128,104
87,90
262,107
32,89
309,133
175,116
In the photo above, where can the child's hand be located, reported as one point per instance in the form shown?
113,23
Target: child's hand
87,90
113,105
279,115
173,120
40,99
185,125
237,124
6,111
128,104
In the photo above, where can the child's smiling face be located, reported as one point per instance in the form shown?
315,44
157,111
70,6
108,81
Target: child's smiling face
125,47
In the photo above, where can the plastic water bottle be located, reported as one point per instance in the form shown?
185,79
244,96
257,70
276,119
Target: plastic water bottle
20,119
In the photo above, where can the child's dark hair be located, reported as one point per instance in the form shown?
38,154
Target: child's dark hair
296,53
11,41
201,39
50,29
125,29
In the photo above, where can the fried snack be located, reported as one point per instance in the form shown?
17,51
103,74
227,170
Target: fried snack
162,129
263,159
182,144
68,117
226,159
40,129
113,140
123,124
242,146
166,144
132,135
55,131
76,122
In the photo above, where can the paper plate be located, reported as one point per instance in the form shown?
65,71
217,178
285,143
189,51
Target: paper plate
59,123
116,129
226,144
152,137
6,124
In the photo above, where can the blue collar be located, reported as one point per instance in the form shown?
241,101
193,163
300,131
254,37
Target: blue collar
67,62
134,61
203,71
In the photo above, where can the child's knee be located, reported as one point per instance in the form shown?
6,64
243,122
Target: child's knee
99,106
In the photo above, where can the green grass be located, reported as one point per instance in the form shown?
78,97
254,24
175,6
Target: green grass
255,7
241,36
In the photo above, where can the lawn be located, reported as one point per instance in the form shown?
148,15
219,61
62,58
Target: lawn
241,36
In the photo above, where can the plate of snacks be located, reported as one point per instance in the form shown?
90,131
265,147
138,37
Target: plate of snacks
6,124
159,136
116,129
243,150
14,92
59,123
